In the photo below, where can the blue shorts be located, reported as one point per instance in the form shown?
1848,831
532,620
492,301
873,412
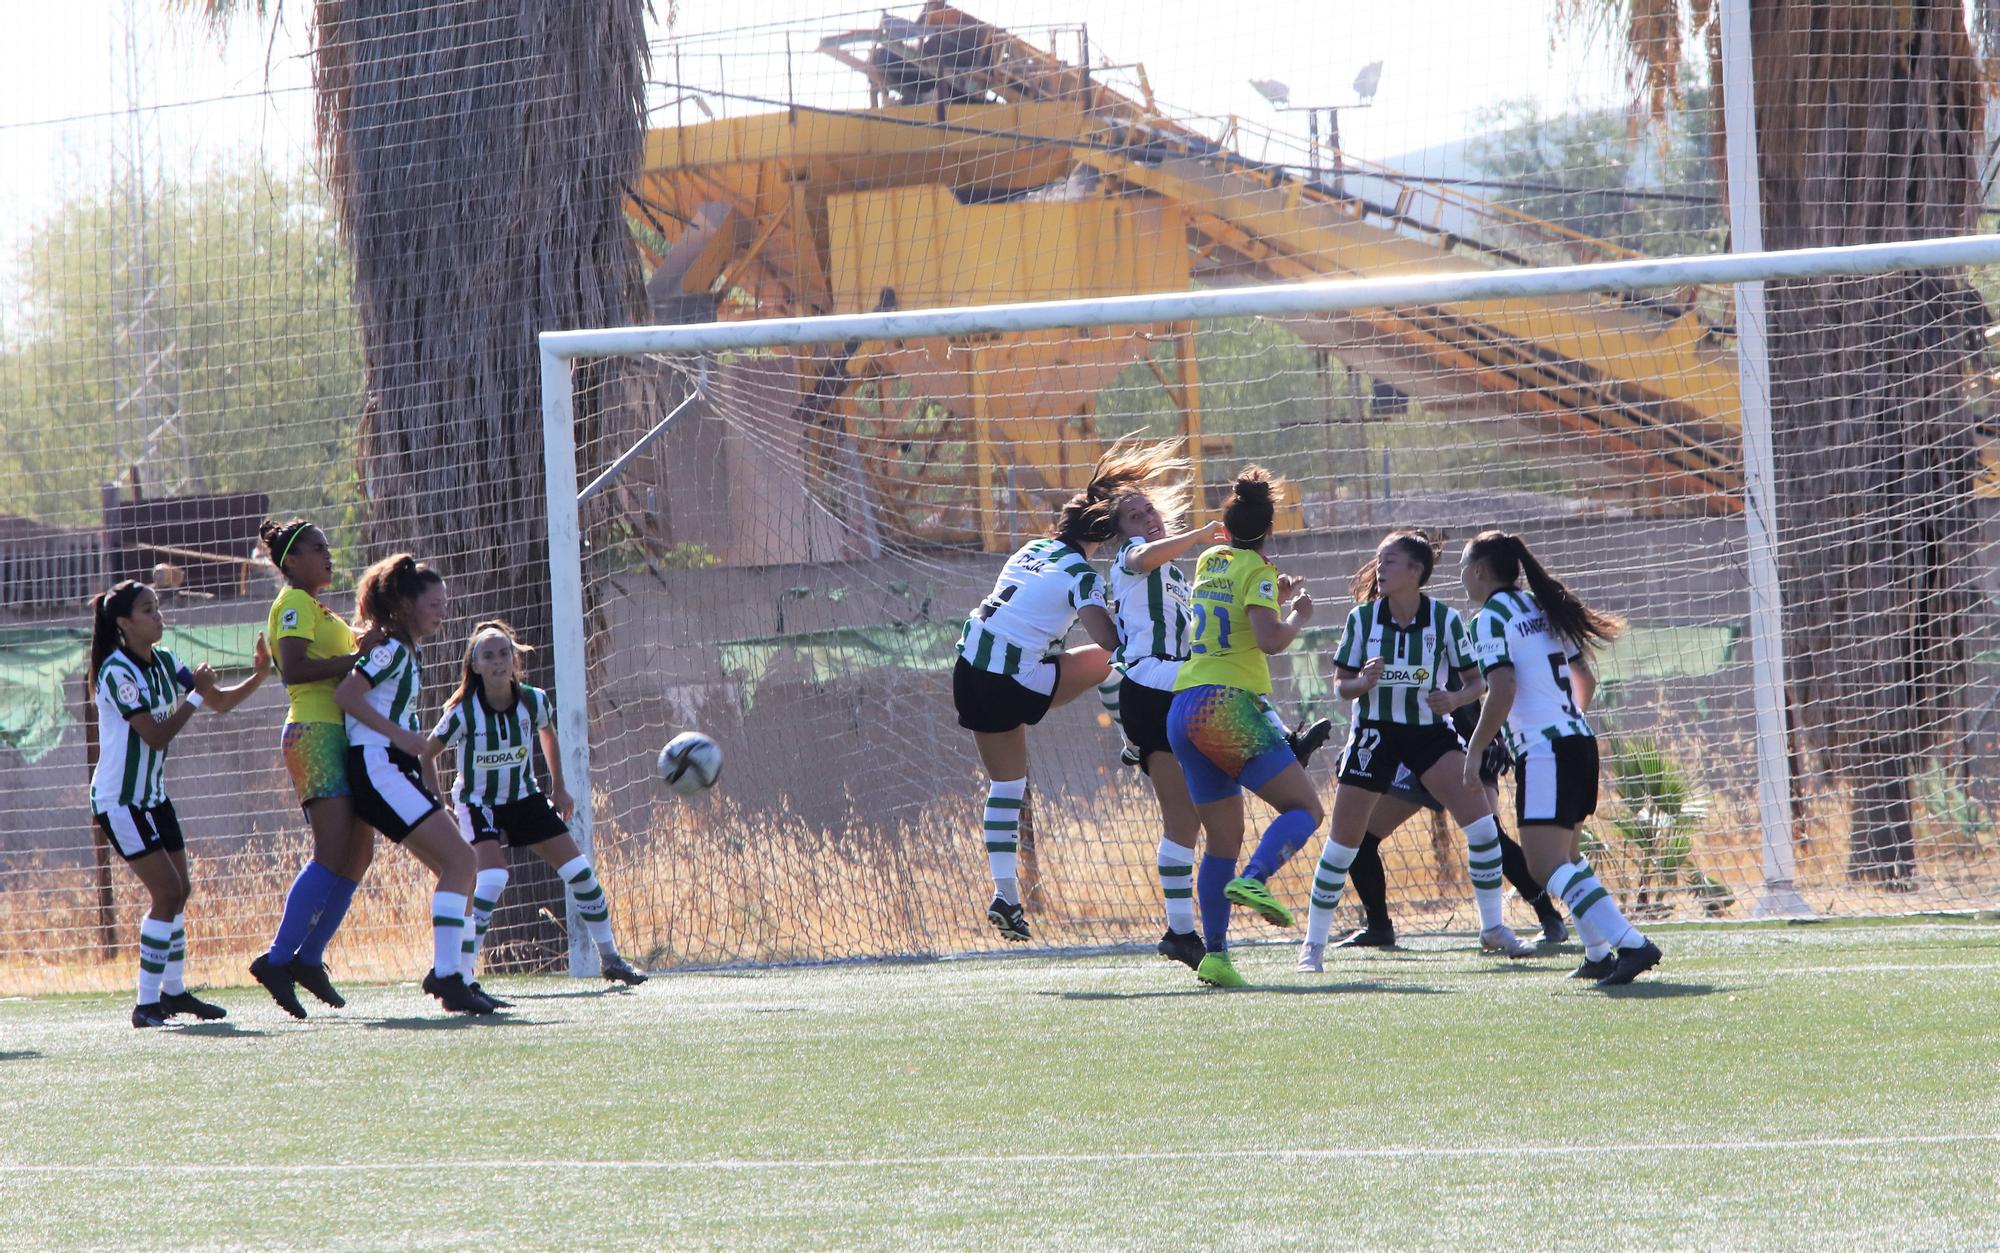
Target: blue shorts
1225,741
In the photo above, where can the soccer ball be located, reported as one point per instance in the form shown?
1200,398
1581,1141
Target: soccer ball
690,763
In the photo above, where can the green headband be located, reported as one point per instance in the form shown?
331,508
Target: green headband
286,551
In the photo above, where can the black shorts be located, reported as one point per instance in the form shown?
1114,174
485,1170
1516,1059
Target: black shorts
1493,763
517,824
994,703
389,790
1555,782
135,832
1375,749
1143,710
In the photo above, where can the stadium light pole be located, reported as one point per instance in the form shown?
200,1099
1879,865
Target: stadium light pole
1280,97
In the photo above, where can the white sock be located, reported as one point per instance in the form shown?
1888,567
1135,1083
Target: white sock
1177,884
1587,898
591,906
1595,946
1329,881
448,910
1482,854
1003,835
155,940
486,891
174,978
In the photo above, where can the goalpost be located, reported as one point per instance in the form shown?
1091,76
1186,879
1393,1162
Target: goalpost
863,473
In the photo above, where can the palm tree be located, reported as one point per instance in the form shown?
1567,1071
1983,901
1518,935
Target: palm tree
1869,121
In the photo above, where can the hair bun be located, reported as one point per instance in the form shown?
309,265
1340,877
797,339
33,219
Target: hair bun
1255,489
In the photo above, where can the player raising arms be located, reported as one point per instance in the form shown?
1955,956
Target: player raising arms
385,759
493,720
1012,668
316,648
139,711
1220,726
1534,646
1395,653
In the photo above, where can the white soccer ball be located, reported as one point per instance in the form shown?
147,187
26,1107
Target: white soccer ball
691,763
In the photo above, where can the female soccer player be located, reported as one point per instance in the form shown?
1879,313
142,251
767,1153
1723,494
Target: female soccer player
493,719
139,712
316,649
1150,597
1395,653
1219,723
1534,647
1012,667
385,759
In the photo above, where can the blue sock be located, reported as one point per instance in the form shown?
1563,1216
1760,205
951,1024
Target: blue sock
1286,835
302,904
312,950
1215,874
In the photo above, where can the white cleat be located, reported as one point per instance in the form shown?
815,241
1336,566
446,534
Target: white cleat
1501,939
1312,959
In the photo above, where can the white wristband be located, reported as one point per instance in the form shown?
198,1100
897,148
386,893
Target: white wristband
195,699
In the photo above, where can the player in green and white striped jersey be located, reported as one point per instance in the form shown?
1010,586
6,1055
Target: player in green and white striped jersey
1396,653
492,721
1533,646
140,710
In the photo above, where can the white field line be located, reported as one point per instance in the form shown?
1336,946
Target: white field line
1398,1153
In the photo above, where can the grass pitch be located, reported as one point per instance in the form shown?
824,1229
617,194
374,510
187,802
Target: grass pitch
1824,1085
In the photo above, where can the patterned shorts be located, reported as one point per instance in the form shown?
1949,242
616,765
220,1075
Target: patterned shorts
1225,741
316,758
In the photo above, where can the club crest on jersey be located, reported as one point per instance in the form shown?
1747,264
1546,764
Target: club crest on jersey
127,694
381,655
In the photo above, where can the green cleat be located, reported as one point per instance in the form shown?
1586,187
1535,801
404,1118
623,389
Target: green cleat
1251,893
1217,971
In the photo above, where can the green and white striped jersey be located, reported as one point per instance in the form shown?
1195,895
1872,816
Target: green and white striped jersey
1417,658
495,748
1151,611
130,771
1511,630
1033,605
395,677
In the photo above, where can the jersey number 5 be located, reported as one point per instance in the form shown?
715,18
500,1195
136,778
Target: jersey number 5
992,603
1559,666
1201,621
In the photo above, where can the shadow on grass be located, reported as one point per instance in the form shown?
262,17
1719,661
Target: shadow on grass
19,1055
222,1030
457,1022
581,994
1660,990
1275,989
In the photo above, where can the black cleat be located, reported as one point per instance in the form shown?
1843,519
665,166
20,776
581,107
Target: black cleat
618,970
1554,929
1130,755
172,1003
1631,963
149,1015
1007,919
312,977
1184,947
1596,968
455,996
1307,739
277,980
491,999
1368,937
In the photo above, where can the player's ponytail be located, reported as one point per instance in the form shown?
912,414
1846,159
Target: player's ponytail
1252,507
387,588
105,610
1507,558
1367,584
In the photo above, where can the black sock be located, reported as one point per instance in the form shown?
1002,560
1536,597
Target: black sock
1514,864
1369,882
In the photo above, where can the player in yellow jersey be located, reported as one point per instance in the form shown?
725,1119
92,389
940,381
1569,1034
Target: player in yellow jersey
1242,612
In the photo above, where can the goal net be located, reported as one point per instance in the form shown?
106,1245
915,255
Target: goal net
789,565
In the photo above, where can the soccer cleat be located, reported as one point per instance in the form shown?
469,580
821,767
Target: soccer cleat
277,980
1307,739
149,1015
1554,929
455,996
491,999
172,1003
1595,968
1184,947
1007,919
1368,937
1630,964
1218,971
1130,755
618,970
1312,958
1501,939
1252,894
312,977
